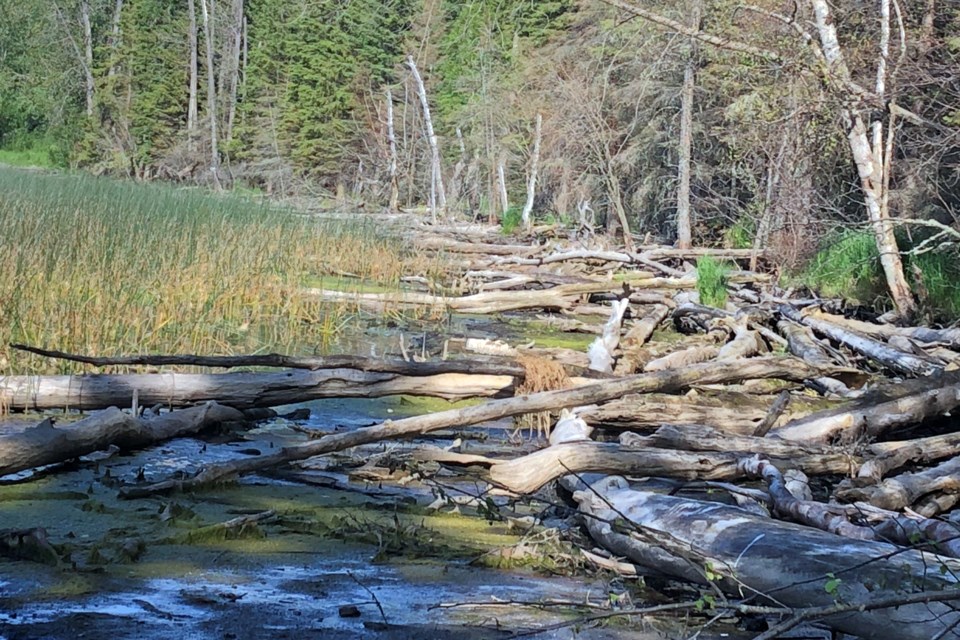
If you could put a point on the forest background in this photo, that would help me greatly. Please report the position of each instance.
(290, 98)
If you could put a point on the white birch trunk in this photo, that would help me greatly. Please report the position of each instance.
(233, 79)
(211, 92)
(532, 178)
(438, 198)
(869, 164)
(684, 224)
(392, 168)
(502, 188)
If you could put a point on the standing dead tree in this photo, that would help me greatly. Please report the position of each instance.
(438, 198)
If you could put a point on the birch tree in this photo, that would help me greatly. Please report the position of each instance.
(207, 14)
(192, 100)
(871, 147)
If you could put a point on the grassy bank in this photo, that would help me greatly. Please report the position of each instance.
(102, 267)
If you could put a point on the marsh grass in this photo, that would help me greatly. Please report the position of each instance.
(97, 266)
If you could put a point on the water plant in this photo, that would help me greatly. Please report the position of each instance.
(93, 265)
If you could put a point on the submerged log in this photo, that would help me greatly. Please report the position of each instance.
(242, 390)
(46, 443)
(798, 566)
(548, 400)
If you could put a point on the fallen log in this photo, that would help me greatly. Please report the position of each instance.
(639, 332)
(870, 418)
(906, 489)
(923, 334)
(46, 443)
(797, 566)
(800, 343)
(496, 366)
(887, 356)
(548, 400)
(242, 390)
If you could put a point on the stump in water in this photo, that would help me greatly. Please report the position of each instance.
(540, 374)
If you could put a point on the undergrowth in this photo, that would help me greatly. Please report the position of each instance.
(98, 266)
(712, 281)
(848, 266)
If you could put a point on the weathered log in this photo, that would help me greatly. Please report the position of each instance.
(547, 400)
(47, 444)
(923, 334)
(639, 332)
(794, 564)
(887, 356)
(904, 490)
(870, 419)
(801, 344)
(488, 249)
(528, 473)
(241, 390)
(683, 358)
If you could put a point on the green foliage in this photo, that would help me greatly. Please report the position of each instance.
(939, 275)
(740, 235)
(511, 219)
(482, 39)
(847, 266)
(712, 281)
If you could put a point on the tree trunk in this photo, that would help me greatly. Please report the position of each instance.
(502, 189)
(240, 390)
(208, 18)
(87, 56)
(437, 194)
(115, 37)
(392, 168)
(532, 179)
(684, 226)
(233, 79)
(870, 166)
(192, 100)
(746, 553)
(47, 444)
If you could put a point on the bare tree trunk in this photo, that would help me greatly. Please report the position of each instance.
(115, 37)
(233, 79)
(211, 92)
(392, 169)
(192, 102)
(532, 179)
(87, 55)
(438, 197)
(684, 230)
(869, 165)
(502, 188)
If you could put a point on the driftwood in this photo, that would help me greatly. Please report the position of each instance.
(870, 419)
(497, 366)
(46, 443)
(906, 489)
(547, 400)
(800, 343)
(638, 334)
(241, 390)
(923, 334)
(887, 356)
(747, 552)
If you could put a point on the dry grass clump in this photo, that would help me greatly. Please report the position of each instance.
(103, 267)
(540, 374)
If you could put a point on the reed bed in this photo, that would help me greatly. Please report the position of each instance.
(97, 266)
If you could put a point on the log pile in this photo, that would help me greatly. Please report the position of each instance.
(809, 459)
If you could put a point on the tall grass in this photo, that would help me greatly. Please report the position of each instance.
(849, 267)
(98, 266)
(712, 281)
